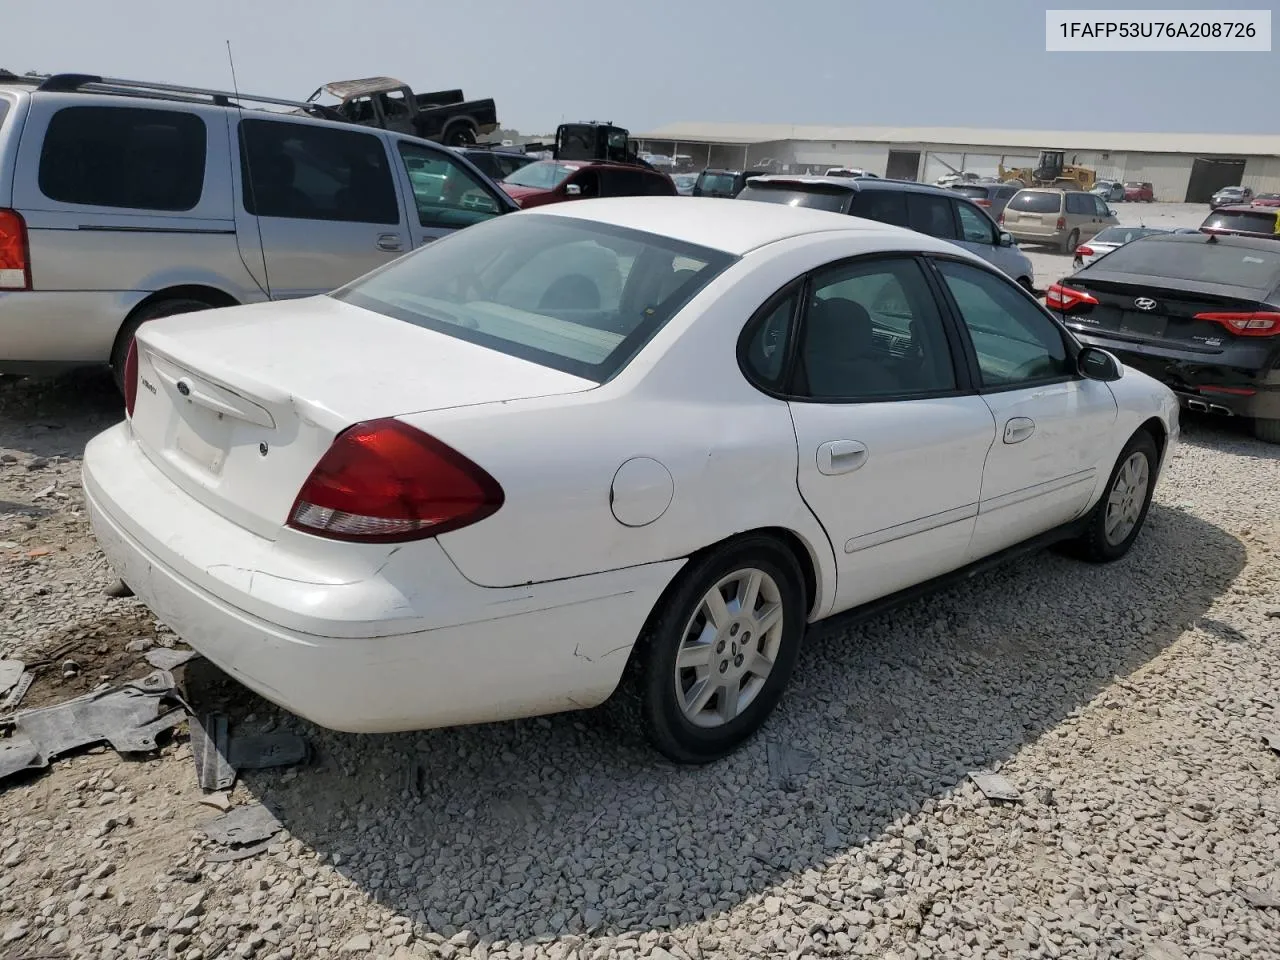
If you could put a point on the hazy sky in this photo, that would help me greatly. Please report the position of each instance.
(903, 62)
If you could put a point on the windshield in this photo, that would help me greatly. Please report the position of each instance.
(717, 183)
(574, 295)
(545, 175)
(1125, 234)
(1249, 221)
(1034, 201)
(1201, 262)
(817, 196)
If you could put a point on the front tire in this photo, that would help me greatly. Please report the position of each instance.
(1120, 514)
(717, 653)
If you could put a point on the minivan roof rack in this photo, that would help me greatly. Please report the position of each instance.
(91, 83)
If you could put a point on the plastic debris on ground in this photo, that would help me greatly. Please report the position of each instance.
(244, 831)
(995, 787)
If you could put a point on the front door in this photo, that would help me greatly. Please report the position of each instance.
(1052, 426)
(446, 196)
(325, 202)
(891, 444)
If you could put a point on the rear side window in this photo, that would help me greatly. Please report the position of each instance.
(932, 215)
(1081, 203)
(303, 172)
(887, 206)
(124, 157)
(1034, 201)
(1197, 260)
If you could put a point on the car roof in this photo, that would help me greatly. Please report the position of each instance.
(854, 184)
(1243, 208)
(733, 226)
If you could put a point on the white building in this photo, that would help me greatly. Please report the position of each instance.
(1180, 166)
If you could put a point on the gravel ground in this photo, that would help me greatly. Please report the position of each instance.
(1125, 704)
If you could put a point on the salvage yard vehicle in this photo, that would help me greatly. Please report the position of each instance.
(991, 197)
(494, 479)
(1060, 218)
(938, 211)
(123, 201)
(1229, 196)
(1052, 170)
(1244, 220)
(445, 116)
(1199, 313)
(555, 181)
(1266, 200)
(1139, 191)
(1112, 191)
(1104, 241)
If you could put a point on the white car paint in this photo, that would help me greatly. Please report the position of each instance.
(609, 488)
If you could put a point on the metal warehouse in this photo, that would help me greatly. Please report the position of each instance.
(1180, 166)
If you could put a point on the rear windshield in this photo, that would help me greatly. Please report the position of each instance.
(1261, 221)
(717, 182)
(574, 295)
(1203, 262)
(544, 175)
(819, 196)
(973, 193)
(1031, 201)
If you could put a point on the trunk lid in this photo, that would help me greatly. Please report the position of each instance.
(237, 406)
(1171, 320)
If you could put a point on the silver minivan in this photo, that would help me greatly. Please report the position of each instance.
(121, 202)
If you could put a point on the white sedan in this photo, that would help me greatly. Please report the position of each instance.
(1108, 239)
(630, 445)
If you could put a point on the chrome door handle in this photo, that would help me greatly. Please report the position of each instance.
(841, 456)
(390, 241)
(1017, 429)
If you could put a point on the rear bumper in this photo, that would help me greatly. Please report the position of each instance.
(1217, 383)
(442, 652)
(1030, 234)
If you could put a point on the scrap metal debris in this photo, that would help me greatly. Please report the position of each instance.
(128, 717)
(786, 763)
(218, 800)
(162, 658)
(262, 751)
(252, 826)
(209, 750)
(995, 787)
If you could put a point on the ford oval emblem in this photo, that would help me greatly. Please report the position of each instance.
(184, 388)
(1145, 303)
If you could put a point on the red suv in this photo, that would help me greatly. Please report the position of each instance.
(1135, 190)
(554, 181)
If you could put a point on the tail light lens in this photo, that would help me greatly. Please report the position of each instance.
(130, 378)
(983, 203)
(1062, 223)
(15, 253)
(1246, 324)
(1085, 251)
(1059, 297)
(1000, 219)
(383, 481)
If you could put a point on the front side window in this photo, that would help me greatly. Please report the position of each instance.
(976, 227)
(445, 193)
(872, 330)
(1101, 206)
(124, 157)
(1014, 341)
(931, 214)
(574, 295)
(303, 172)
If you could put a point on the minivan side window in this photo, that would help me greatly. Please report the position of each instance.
(130, 157)
(1101, 207)
(976, 227)
(887, 206)
(302, 172)
(445, 193)
(931, 214)
(1081, 203)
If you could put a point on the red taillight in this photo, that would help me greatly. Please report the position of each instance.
(1085, 251)
(1246, 324)
(1059, 297)
(1062, 223)
(983, 203)
(130, 378)
(384, 481)
(15, 253)
(1000, 219)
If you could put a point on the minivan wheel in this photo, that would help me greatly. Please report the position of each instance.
(1268, 431)
(164, 308)
(1073, 240)
(717, 654)
(1119, 515)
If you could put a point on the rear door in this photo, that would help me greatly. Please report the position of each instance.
(1052, 427)
(325, 202)
(932, 214)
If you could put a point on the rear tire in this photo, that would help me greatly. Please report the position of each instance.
(460, 135)
(164, 308)
(1268, 431)
(1071, 242)
(687, 712)
(1120, 514)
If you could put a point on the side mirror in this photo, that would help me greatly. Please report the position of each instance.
(1111, 212)
(1006, 239)
(573, 190)
(1097, 364)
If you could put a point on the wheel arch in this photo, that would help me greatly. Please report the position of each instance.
(188, 291)
(1159, 433)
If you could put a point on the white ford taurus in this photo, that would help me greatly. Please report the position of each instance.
(630, 445)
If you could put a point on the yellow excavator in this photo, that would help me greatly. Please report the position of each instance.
(1051, 171)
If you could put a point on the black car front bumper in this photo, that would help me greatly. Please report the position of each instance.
(1240, 381)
